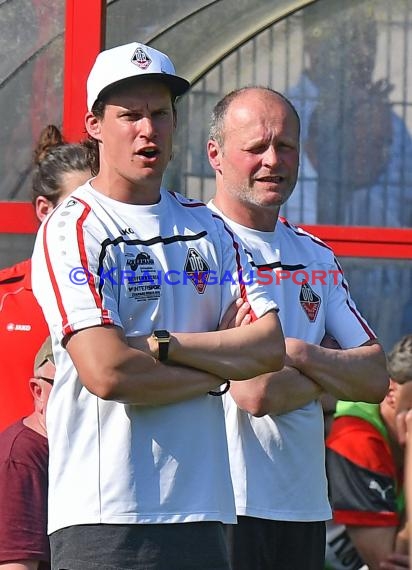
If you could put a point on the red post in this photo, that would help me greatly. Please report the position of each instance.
(84, 39)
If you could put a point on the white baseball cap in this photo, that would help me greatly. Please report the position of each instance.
(131, 60)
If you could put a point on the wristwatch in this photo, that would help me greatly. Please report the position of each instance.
(163, 338)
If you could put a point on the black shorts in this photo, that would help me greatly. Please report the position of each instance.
(180, 546)
(261, 544)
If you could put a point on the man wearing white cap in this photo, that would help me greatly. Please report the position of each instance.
(137, 436)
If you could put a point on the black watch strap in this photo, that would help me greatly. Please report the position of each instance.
(221, 392)
(163, 350)
(163, 338)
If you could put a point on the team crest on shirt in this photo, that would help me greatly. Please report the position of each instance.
(197, 270)
(310, 301)
(141, 59)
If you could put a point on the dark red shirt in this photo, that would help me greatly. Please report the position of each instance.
(22, 332)
(23, 495)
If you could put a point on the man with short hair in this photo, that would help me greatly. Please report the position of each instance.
(24, 544)
(137, 434)
(274, 422)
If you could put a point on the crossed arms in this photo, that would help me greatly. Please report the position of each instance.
(126, 370)
(310, 370)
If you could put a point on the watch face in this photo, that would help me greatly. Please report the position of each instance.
(161, 333)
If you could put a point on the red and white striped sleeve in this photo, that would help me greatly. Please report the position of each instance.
(65, 271)
(343, 320)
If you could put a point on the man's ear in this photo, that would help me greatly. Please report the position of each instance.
(214, 154)
(92, 124)
(35, 388)
(42, 206)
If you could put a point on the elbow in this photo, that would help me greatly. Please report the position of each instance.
(102, 391)
(256, 408)
(371, 392)
(104, 384)
(378, 389)
(105, 392)
(254, 401)
(259, 409)
(379, 381)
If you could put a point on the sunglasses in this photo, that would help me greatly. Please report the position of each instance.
(49, 380)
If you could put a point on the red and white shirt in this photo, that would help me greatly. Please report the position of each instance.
(97, 261)
(278, 462)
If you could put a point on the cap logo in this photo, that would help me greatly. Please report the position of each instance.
(141, 59)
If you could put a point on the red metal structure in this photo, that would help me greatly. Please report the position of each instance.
(85, 31)
(84, 39)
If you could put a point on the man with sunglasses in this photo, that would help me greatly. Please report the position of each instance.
(24, 458)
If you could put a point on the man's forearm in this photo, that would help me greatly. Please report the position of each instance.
(238, 353)
(168, 385)
(357, 374)
(114, 370)
(275, 393)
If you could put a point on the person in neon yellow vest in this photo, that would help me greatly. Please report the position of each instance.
(365, 463)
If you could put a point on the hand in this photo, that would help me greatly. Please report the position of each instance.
(237, 315)
(395, 562)
(295, 348)
(145, 343)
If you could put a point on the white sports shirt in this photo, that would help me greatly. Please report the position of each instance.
(117, 463)
(278, 462)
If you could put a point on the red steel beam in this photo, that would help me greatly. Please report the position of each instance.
(85, 30)
(353, 241)
(357, 241)
(84, 39)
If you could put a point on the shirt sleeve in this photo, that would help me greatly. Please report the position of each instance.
(238, 279)
(67, 269)
(343, 320)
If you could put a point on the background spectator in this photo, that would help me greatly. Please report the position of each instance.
(365, 470)
(59, 168)
(24, 544)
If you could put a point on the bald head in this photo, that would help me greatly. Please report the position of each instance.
(236, 98)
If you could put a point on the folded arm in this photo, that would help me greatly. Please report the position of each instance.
(275, 393)
(357, 374)
(112, 370)
(236, 353)
(115, 368)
